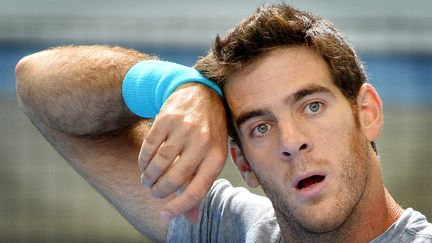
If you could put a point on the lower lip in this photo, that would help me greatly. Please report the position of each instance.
(311, 192)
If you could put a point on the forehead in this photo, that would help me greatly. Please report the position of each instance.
(279, 73)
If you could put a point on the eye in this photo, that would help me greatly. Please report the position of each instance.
(260, 130)
(313, 108)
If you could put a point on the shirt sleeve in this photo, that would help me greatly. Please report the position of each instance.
(226, 215)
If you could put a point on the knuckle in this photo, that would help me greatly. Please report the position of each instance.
(175, 181)
(192, 124)
(143, 157)
(195, 195)
(205, 140)
(147, 178)
(176, 116)
(205, 137)
(184, 169)
(166, 186)
(167, 152)
(155, 170)
(149, 141)
(188, 126)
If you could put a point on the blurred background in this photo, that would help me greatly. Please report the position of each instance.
(42, 199)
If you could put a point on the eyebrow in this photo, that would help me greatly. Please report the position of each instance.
(248, 115)
(308, 90)
(290, 99)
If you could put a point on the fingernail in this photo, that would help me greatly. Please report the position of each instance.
(165, 214)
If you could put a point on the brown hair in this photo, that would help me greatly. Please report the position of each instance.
(276, 26)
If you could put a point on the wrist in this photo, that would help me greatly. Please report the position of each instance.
(149, 83)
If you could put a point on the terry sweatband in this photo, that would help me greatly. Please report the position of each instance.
(149, 83)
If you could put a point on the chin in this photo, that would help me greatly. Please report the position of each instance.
(323, 217)
(321, 221)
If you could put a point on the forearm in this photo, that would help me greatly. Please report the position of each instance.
(74, 94)
(77, 89)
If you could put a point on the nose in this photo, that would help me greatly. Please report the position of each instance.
(292, 142)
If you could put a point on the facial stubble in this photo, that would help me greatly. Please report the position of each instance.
(333, 220)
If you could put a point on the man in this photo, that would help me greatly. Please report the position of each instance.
(303, 121)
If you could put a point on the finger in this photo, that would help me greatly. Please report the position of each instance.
(194, 192)
(153, 140)
(193, 154)
(162, 160)
(178, 174)
(192, 215)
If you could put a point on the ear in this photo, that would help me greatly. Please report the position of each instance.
(370, 112)
(242, 165)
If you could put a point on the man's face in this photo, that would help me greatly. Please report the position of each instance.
(299, 135)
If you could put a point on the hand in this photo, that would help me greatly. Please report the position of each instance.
(186, 147)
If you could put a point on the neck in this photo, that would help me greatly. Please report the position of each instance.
(375, 212)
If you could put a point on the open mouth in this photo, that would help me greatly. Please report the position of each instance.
(309, 181)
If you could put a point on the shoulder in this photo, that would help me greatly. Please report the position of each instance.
(265, 230)
(238, 201)
(412, 226)
(419, 227)
(229, 214)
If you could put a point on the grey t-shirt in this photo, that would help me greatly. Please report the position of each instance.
(231, 214)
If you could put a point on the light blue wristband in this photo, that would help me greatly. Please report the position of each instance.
(149, 83)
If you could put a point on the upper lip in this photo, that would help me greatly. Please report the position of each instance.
(303, 176)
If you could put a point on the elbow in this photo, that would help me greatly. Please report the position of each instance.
(22, 65)
(29, 71)
(27, 76)
(21, 70)
(31, 88)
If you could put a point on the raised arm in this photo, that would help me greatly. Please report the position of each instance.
(75, 89)
(73, 96)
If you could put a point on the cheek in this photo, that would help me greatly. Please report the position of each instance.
(259, 158)
(332, 135)
(341, 121)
